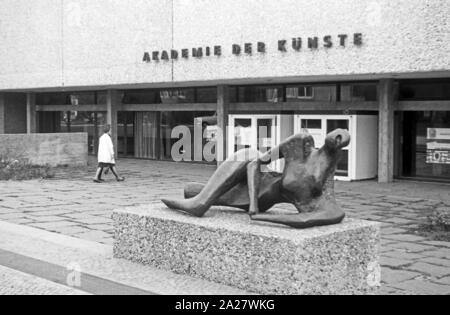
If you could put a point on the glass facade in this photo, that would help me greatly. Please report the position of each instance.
(196, 123)
(146, 135)
(359, 92)
(73, 98)
(298, 93)
(171, 96)
(429, 90)
(353, 92)
(423, 137)
(426, 145)
(257, 94)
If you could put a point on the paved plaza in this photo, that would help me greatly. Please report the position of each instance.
(72, 205)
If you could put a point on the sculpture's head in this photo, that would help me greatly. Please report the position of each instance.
(337, 140)
(307, 168)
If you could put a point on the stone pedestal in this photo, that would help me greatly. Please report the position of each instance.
(226, 247)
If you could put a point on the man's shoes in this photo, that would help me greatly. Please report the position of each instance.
(121, 179)
(98, 181)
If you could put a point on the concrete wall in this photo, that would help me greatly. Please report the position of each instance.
(53, 43)
(52, 149)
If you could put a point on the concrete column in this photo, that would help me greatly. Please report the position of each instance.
(31, 113)
(223, 104)
(2, 113)
(112, 104)
(388, 96)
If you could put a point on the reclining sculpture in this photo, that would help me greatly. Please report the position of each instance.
(307, 182)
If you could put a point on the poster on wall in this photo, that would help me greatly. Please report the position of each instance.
(438, 134)
(438, 146)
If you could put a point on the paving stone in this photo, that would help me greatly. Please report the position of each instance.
(38, 212)
(423, 287)
(437, 261)
(439, 253)
(96, 236)
(403, 255)
(387, 290)
(101, 227)
(406, 238)
(95, 220)
(437, 244)
(444, 281)
(392, 276)
(393, 262)
(47, 219)
(411, 247)
(12, 216)
(51, 226)
(71, 230)
(433, 270)
(22, 221)
(393, 230)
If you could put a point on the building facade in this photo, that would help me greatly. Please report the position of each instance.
(379, 68)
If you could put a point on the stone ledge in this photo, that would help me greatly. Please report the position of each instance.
(228, 248)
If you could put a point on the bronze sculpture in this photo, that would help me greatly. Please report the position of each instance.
(307, 182)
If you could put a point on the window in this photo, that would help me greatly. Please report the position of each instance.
(170, 120)
(364, 92)
(301, 92)
(426, 144)
(171, 96)
(141, 97)
(311, 124)
(206, 95)
(256, 94)
(425, 90)
(74, 98)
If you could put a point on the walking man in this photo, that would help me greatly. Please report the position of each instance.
(106, 156)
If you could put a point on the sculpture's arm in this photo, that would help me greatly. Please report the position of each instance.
(254, 176)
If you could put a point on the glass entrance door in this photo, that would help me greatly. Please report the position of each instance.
(319, 127)
(257, 132)
(343, 165)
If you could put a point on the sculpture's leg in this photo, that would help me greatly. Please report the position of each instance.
(228, 175)
(304, 220)
(238, 196)
(193, 189)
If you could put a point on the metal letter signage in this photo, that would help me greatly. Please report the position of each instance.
(311, 43)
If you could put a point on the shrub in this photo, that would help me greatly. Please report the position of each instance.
(438, 225)
(439, 220)
(20, 169)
